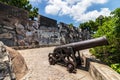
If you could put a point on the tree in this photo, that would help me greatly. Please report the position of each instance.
(116, 14)
(111, 29)
(91, 26)
(33, 13)
(25, 4)
(70, 25)
(84, 25)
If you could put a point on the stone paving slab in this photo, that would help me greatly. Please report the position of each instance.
(39, 68)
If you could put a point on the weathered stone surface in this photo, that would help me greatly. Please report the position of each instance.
(98, 70)
(48, 36)
(45, 21)
(67, 34)
(102, 72)
(6, 35)
(11, 21)
(19, 65)
(39, 68)
(11, 11)
(25, 32)
(86, 34)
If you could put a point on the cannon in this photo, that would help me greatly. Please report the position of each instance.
(68, 55)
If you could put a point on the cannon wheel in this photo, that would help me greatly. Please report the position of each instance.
(71, 67)
(52, 61)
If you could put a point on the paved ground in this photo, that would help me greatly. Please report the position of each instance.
(39, 68)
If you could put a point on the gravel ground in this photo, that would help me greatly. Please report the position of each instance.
(39, 68)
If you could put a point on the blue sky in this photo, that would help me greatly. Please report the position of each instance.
(75, 11)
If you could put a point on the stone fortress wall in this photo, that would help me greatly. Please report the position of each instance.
(10, 18)
(48, 31)
(17, 30)
(15, 26)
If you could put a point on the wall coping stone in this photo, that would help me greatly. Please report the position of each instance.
(98, 70)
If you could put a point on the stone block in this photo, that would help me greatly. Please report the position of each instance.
(19, 64)
(102, 72)
(97, 70)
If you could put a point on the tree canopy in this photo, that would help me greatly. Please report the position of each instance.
(70, 25)
(91, 26)
(110, 28)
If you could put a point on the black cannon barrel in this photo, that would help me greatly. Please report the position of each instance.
(85, 44)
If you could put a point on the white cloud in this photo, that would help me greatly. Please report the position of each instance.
(100, 1)
(71, 2)
(77, 9)
(92, 15)
(52, 9)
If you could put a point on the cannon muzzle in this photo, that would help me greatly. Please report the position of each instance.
(85, 44)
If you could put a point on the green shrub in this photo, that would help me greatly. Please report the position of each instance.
(111, 29)
(116, 67)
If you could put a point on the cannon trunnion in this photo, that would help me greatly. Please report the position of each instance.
(68, 55)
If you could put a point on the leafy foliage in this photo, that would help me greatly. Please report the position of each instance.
(91, 26)
(116, 67)
(106, 53)
(33, 13)
(111, 29)
(70, 25)
(25, 4)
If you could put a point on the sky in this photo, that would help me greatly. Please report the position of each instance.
(75, 11)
